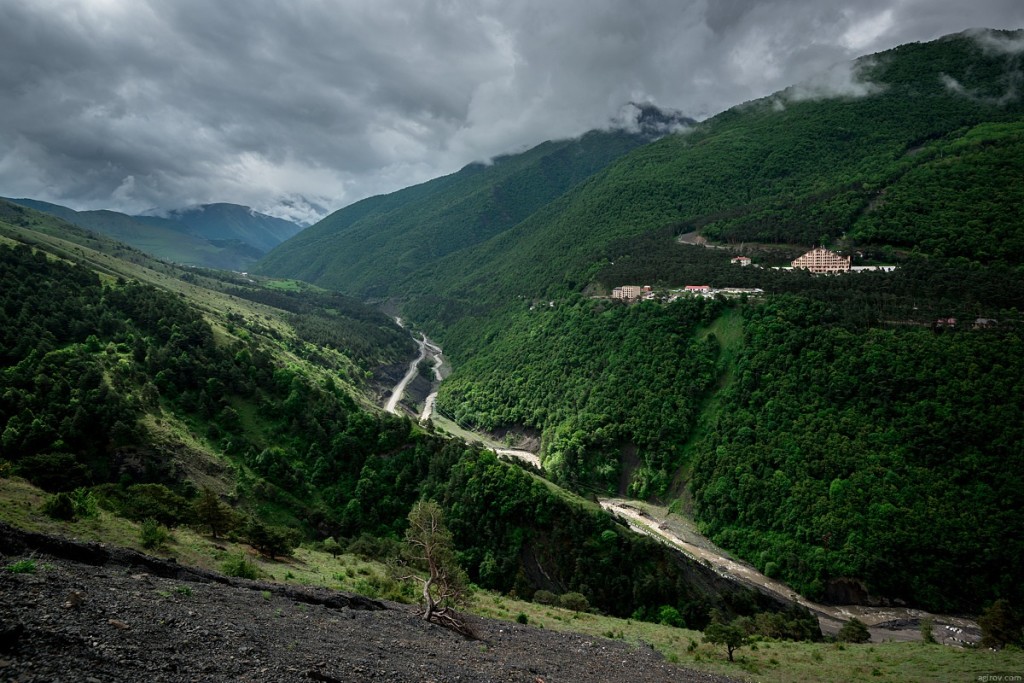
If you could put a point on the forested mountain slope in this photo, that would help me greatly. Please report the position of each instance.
(233, 222)
(362, 249)
(224, 236)
(890, 455)
(134, 383)
(887, 442)
(922, 156)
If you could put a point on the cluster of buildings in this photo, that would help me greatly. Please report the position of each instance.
(709, 292)
(821, 261)
(636, 292)
(818, 260)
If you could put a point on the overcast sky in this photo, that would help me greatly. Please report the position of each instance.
(138, 104)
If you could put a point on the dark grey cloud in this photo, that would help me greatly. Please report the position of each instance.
(134, 104)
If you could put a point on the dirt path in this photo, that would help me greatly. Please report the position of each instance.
(885, 623)
(526, 456)
(396, 394)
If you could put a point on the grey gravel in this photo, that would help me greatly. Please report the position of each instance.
(109, 619)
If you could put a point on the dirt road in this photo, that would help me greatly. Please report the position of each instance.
(426, 348)
(885, 623)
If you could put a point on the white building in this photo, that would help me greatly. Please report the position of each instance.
(628, 292)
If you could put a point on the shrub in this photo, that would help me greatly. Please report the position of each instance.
(372, 548)
(60, 506)
(522, 619)
(271, 540)
(1001, 625)
(155, 501)
(387, 588)
(53, 471)
(153, 534)
(240, 566)
(71, 506)
(212, 512)
(84, 503)
(332, 546)
(854, 631)
(543, 597)
(670, 616)
(793, 624)
(139, 502)
(926, 631)
(26, 566)
(577, 602)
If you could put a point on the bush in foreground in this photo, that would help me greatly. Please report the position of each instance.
(239, 566)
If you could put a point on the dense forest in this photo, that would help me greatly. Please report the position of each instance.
(355, 249)
(597, 378)
(836, 431)
(96, 370)
(890, 455)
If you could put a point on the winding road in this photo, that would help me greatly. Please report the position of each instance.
(426, 348)
(429, 349)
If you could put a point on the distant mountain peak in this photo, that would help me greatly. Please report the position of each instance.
(298, 209)
(650, 120)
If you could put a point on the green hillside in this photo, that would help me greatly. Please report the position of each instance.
(218, 222)
(891, 455)
(852, 434)
(189, 397)
(364, 248)
(225, 236)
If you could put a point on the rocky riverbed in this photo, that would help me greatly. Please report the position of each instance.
(85, 612)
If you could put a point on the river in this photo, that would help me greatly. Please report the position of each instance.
(885, 623)
(426, 347)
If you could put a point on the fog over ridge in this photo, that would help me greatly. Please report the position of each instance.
(299, 108)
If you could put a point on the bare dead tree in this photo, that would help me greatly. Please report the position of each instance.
(445, 587)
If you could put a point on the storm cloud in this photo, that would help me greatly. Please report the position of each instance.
(300, 106)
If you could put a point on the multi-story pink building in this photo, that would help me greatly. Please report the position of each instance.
(821, 260)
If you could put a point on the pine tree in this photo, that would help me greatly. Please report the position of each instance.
(212, 512)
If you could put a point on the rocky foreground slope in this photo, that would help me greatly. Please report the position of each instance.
(89, 612)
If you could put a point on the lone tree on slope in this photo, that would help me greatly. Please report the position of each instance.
(733, 635)
(210, 511)
(445, 586)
